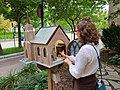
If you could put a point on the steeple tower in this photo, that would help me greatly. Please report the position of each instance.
(29, 35)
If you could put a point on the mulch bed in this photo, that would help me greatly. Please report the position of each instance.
(66, 80)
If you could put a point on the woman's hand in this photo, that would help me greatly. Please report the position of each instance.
(63, 54)
(68, 61)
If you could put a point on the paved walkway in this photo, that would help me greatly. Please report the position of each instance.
(10, 64)
(111, 77)
(10, 43)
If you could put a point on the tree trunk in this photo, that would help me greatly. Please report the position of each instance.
(19, 32)
(1, 52)
(72, 26)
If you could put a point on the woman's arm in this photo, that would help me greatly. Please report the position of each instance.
(77, 70)
(71, 58)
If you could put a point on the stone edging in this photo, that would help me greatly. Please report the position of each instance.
(11, 55)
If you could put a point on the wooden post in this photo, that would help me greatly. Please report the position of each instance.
(49, 79)
(50, 83)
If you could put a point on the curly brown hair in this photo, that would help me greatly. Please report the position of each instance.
(88, 31)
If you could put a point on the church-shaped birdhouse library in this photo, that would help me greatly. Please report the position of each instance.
(44, 47)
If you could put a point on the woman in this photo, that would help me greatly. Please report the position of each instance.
(85, 64)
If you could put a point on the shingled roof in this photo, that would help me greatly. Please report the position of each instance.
(45, 34)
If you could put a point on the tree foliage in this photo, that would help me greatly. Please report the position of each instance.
(66, 12)
(4, 24)
(16, 9)
(72, 10)
(101, 20)
(111, 37)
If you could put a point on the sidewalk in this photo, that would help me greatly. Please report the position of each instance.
(10, 43)
(111, 77)
(11, 55)
(11, 65)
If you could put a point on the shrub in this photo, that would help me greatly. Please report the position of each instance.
(30, 78)
(8, 82)
(111, 38)
(30, 82)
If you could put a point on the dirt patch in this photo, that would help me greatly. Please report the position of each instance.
(66, 80)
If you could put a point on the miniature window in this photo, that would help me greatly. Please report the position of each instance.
(53, 54)
(44, 51)
(74, 47)
(38, 51)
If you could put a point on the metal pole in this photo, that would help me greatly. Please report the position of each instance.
(42, 15)
(13, 34)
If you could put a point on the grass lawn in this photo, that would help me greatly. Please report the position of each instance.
(12, 50)
(8, 35)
